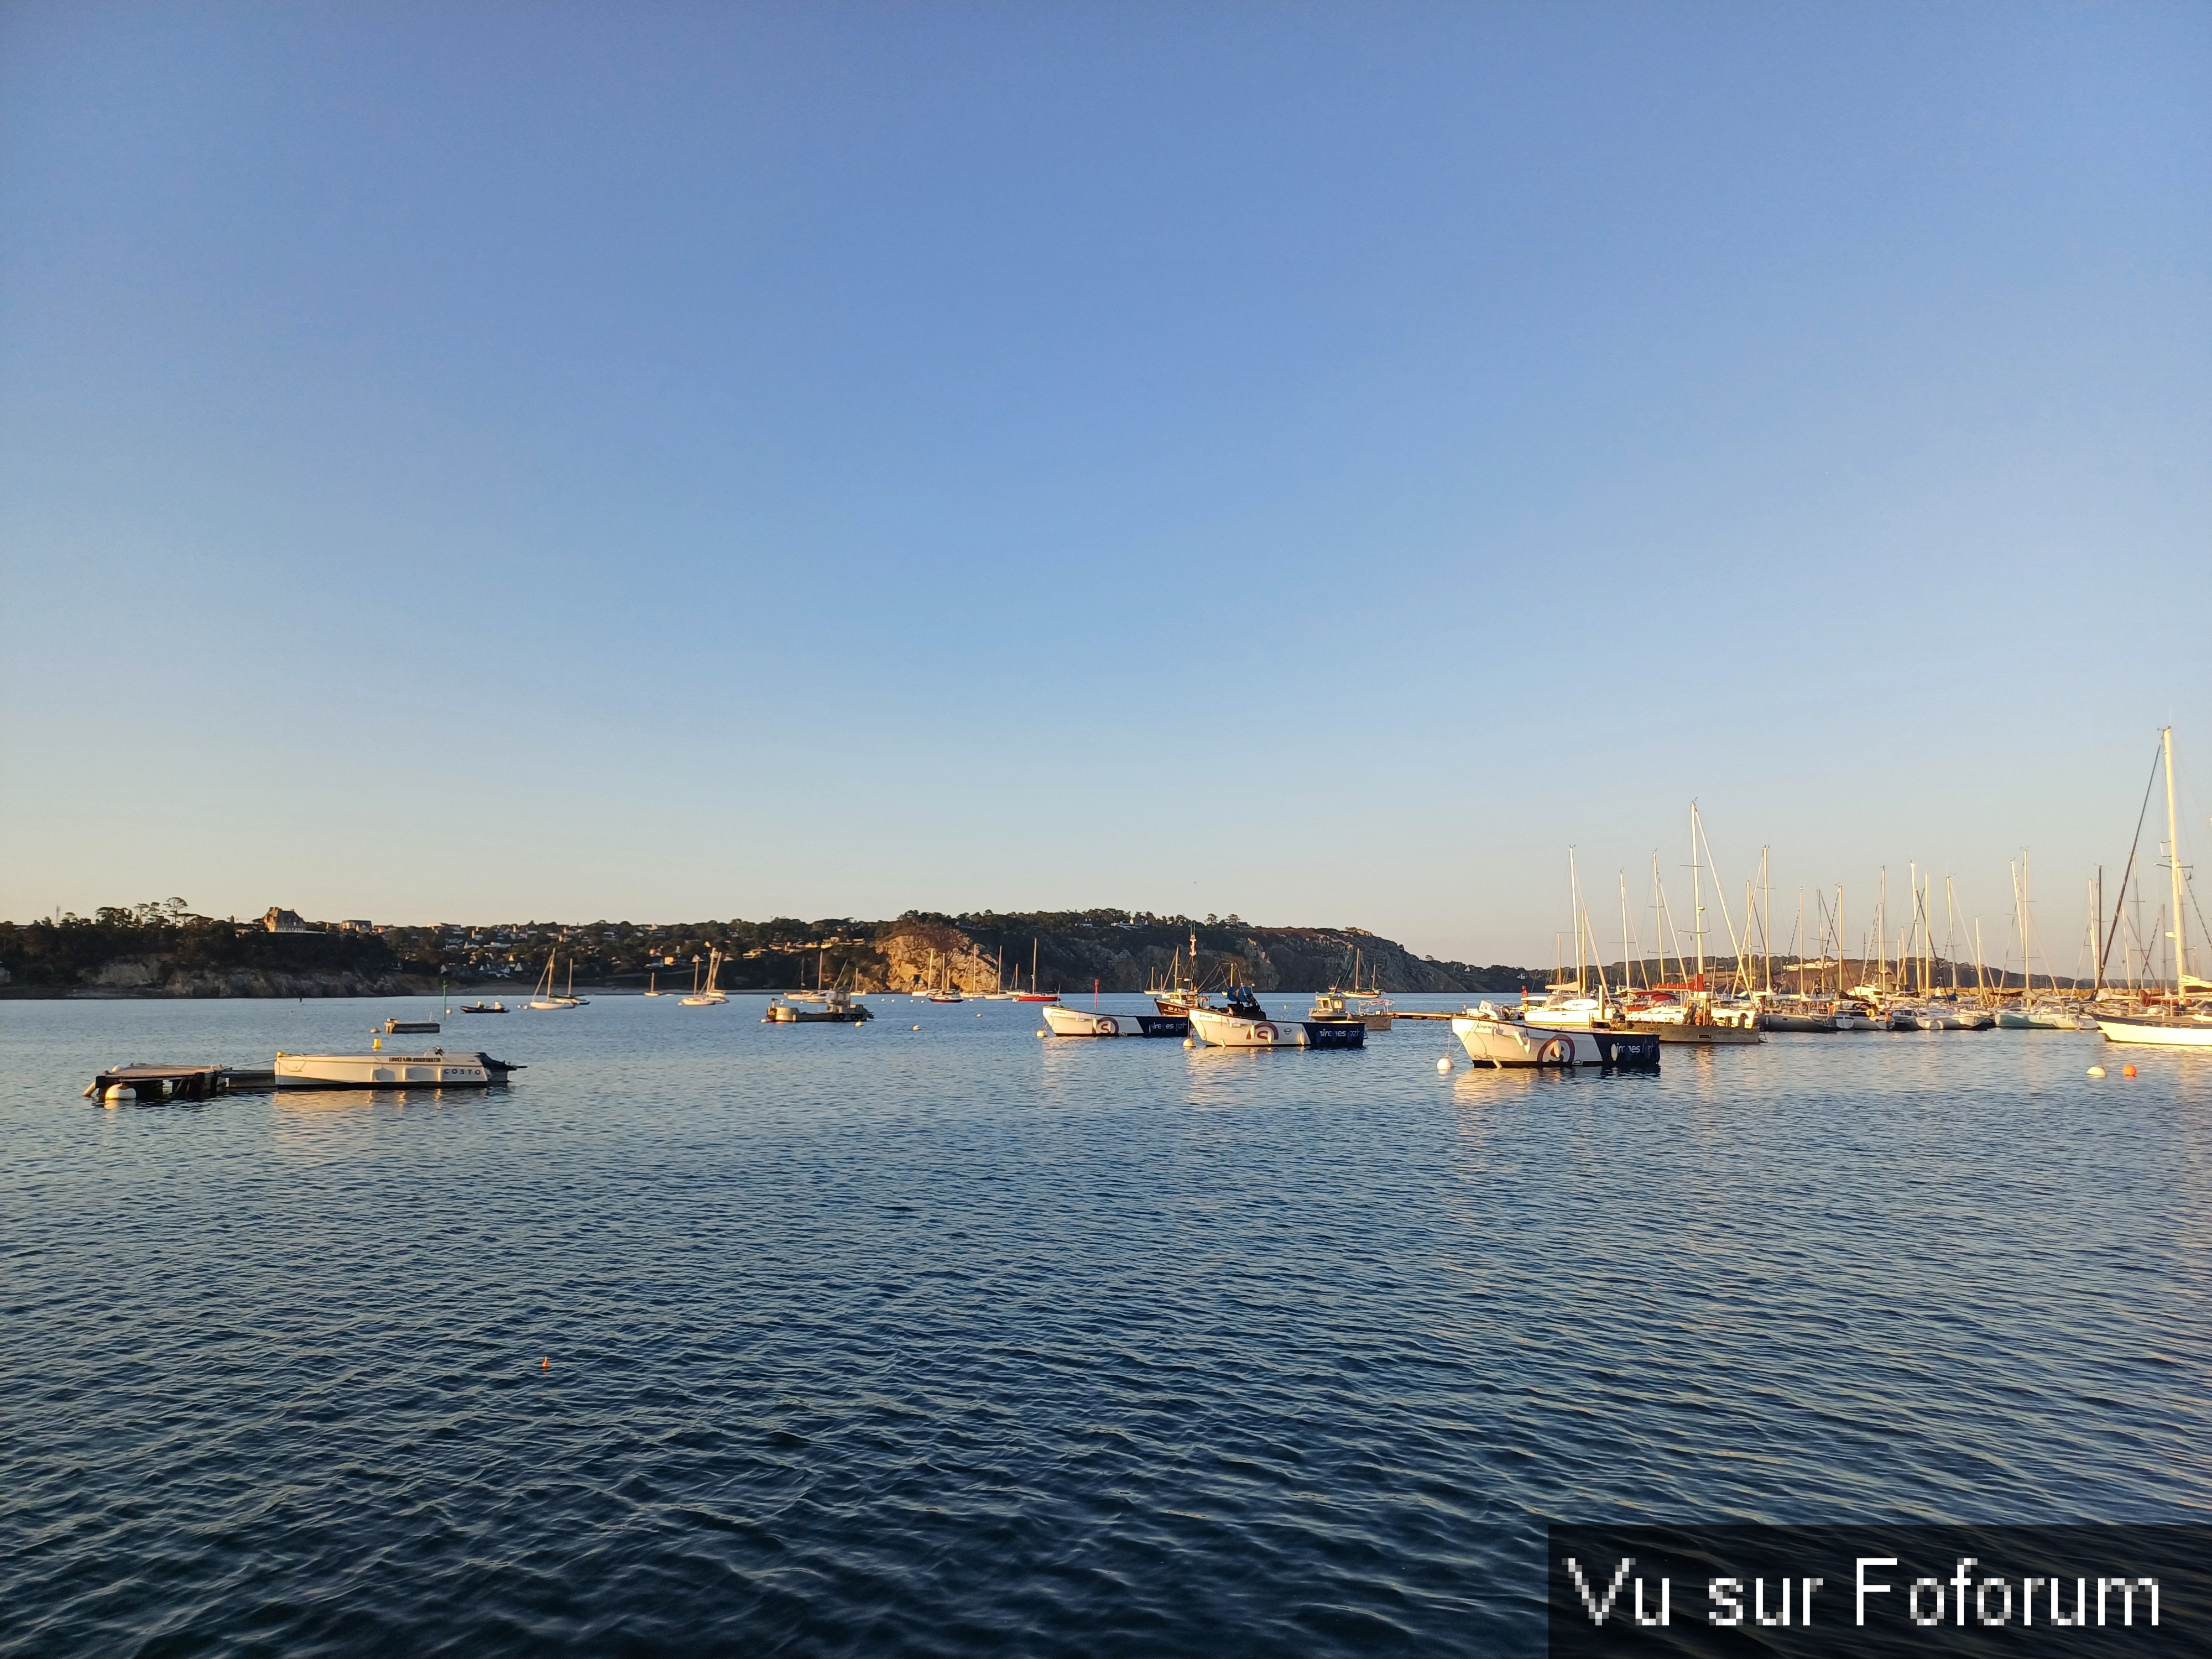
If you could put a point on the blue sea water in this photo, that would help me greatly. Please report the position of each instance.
(952, 1341)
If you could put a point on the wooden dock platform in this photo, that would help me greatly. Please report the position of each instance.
(178, 1082)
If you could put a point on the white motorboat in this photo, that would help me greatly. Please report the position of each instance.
(1370, 1008)
(1495, 1037)
(435, 1070)
(836, 1006)
(1063, 1021)
(1569, 1008)
(2181, 1031)
(2045, 1015)
(1696, 1018)
(1240, 1023)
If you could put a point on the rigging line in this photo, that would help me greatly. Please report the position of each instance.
(2157, 760)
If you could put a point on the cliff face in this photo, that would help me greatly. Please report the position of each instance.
(926, 955)
(1131, 955)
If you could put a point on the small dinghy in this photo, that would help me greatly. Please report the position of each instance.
(484, 1008)
(435, 1070)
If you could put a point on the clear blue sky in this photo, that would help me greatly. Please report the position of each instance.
(1316, 462)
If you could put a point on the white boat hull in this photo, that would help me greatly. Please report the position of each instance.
(2156, 1033)
(1220, 1030)
(1511, 1042)
(1084, 1023)
(435, 1070)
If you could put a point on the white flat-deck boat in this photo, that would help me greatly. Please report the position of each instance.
(1491, 1036)
(1240, 1023)
(435, 1070)
(1091, 1023)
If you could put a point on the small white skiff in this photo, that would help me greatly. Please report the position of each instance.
(435, 1070)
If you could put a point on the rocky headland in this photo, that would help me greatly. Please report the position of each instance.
(150, 951)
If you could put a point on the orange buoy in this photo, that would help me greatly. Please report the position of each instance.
(2127, 1071)
(546, 1363)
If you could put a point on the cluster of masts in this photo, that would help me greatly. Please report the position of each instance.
(1895, 957)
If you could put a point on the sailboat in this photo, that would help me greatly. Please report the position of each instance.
(1033, 995)
(945, 990)
(1691, 1014)
(714, 995)
(2186, 1021)
(652, 986)
(1365, 1004)
(545, 997)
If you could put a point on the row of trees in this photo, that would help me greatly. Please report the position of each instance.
(1121, 949)
(69, 949)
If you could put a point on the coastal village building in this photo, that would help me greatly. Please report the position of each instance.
(285, 921)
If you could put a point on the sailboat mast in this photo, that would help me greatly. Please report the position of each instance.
(2174, 864)
(2097, 926)
(1840, 940)
(1575, 915)
(1697, 899)
(1626, 980)
(1766, 923)
(1882, 934)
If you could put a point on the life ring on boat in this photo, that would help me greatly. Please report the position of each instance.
(1264, 1031)
(1107, 1026)
(1557, 1051)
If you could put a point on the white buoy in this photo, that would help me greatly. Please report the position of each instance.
(1042, 1032)
(1188, 1043)
(2095, 1071)
(119, 1094)
(917, 1028)
(1444, 1065)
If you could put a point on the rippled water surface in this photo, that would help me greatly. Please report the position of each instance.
(954, 1341)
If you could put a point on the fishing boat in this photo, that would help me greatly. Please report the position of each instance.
(545, 998)
(484, 1008)
(714, 996)
(836, 1006)
(1497, 1037)
(435, 1070)
(1240, 1023)
(1063, 1021)
(1182, 993)
(1366, 1003)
